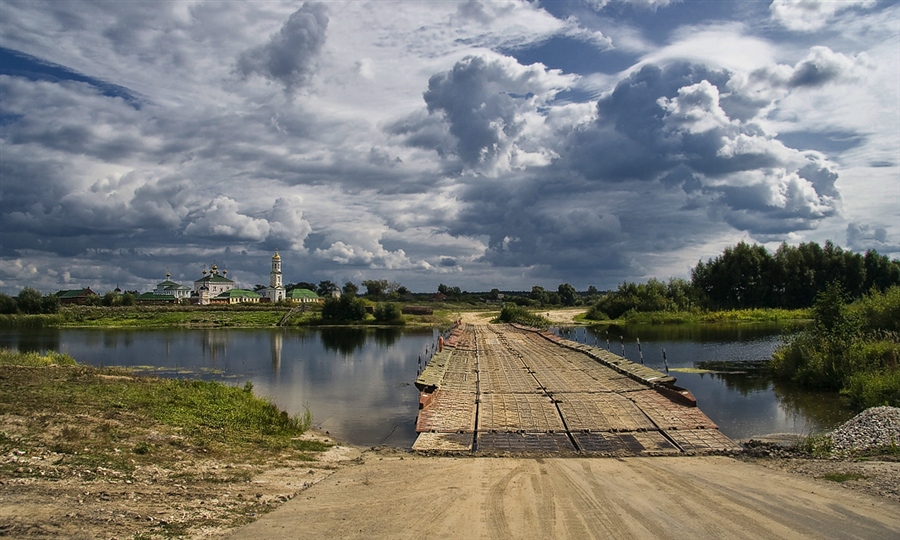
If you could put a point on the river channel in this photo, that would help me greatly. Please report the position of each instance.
(357, 383)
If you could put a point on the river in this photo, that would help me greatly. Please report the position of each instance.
(358, 383)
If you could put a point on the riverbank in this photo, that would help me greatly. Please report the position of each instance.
(240, 316)
(76, 464)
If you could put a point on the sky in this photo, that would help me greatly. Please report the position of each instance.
(476, 144)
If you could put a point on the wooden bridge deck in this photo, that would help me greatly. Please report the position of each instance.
(513, 389)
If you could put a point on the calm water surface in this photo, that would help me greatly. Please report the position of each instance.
(358, 382)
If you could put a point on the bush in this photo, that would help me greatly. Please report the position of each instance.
(873, 389)
(849, 348)
(511, 313)
(388, 313)
(344, 309)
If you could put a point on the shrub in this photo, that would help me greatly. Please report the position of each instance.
(873, 389)
(344, 309)
(511, 313)
(388, 313)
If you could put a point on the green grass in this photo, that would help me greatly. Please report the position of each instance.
(841, 477)
(33, 359)
(100, 420)
(168, 316)
(715, 317)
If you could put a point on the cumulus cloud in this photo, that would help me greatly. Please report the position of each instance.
(811, 15)
(672, 125)
(861, 237)
(287, 225)
(488, 103)
(290, 55)
(820, 67)
(221, 218)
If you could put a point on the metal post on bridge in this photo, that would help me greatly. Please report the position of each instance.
(640, 353)
(622, 338)
(665, 362)
(607, 339)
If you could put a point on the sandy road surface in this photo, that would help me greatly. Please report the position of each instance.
(556, 316)
(398, 497)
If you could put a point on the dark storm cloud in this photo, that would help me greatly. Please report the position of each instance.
(589, 211)
(290, 55)
(672, 124)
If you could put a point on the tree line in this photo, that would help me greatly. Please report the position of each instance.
(748, 276)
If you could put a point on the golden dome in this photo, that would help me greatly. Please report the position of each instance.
(276, 257)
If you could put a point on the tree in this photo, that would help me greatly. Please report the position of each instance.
(350, 289)
(402, 291)
(376, 288)
(388, 313)
(347, 308)
(50, 304)
(7, 304)
(110, 299)
(29, 301)
(538, 294)
(568, 296)
(326, 287)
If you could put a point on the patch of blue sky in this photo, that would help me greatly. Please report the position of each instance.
(827, 142)
(18, 64)
(573, 55)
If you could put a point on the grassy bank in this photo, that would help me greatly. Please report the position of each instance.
(731, 316)
(854, 348)
(201, 317)
(113, 419)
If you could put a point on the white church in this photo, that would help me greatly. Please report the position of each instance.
(216, 288)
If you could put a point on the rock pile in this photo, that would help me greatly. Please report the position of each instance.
(878, 426)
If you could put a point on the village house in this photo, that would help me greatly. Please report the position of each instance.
(76, 296)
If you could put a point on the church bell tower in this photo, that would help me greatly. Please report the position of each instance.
(275, 291)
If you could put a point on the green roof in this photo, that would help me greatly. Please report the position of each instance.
(238, 293)
(75, 293)
(296, 294)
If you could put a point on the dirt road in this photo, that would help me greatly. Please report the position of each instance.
(398, 496)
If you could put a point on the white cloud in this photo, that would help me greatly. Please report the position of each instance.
(222, 219)
(811, 15)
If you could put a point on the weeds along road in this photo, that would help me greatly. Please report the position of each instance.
(398, 496)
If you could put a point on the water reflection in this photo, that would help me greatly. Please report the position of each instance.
(343, 340)
(358, 382)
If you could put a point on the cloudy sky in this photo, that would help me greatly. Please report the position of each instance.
(472, 143)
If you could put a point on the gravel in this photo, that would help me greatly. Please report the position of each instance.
(872, 428)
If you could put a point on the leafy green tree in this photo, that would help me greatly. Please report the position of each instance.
(388, 312)
(350, 289)
(29, 301)
(376, 288)
(50, 304)
(326, 287)
(539, 295)
(568, 296)
(7, 304)
(347, 308)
